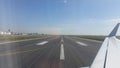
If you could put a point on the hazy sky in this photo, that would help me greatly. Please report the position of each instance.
(84, 17)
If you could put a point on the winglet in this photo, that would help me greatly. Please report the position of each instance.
(114, 31)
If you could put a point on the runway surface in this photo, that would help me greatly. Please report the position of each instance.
(51, 52)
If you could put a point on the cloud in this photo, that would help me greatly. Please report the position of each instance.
(105, 26)
(65, 1)
(114, 21)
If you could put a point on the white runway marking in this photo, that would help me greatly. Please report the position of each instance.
(8, 42)
(42, 43)
(62, 40)
(82, 44)
(62, 56)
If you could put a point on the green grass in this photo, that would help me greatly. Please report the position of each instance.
(99, 38)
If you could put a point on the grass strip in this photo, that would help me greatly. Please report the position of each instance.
(17, 37)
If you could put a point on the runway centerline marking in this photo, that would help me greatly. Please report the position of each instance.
(62, 55)
(62, 40)
(81, 43)
(42, 43)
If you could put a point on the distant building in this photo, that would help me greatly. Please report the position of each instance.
(5, 33)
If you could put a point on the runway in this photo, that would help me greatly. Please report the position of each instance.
(51, 52)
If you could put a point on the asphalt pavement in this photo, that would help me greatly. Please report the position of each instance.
(51, 52)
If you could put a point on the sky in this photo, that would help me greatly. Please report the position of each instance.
(70, 17)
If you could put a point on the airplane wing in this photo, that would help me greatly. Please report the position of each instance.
(109, 54)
